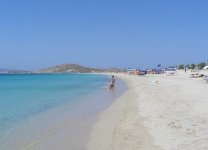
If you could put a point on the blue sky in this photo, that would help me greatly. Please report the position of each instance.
(102, 33)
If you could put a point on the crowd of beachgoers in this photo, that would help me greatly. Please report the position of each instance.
(194, 73)
(161, 109)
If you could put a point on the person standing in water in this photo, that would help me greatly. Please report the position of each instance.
(113, 80)
(112, 83)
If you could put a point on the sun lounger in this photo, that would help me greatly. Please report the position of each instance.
(170, 71)
(195, 75)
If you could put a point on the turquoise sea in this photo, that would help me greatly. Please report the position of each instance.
(25, 97)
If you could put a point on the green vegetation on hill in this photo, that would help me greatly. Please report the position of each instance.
(74, 68)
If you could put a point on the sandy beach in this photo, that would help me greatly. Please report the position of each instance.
(58, 60)
(170, 114)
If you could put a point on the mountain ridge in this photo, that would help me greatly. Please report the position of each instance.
(63, 68)
(74, 68)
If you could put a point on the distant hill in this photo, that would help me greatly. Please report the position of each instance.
(13, 71)
(65, 68)
(74, 68)
(112, 69)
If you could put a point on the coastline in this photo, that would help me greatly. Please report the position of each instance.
(157, 112)
(119, 127)
(154, 112)
(63, 130)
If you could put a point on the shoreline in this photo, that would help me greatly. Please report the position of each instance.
(69, 131)
(119, 127)
(153, 112)
(157, 112)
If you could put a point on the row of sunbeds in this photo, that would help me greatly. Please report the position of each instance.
(197, 75)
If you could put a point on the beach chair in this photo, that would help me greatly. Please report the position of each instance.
(170, 71)
(195, 75)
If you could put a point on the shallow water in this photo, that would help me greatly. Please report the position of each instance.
(35, 107)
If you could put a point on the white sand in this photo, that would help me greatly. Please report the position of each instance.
(171, 115)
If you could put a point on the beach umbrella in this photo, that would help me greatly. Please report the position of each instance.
(159, 65)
